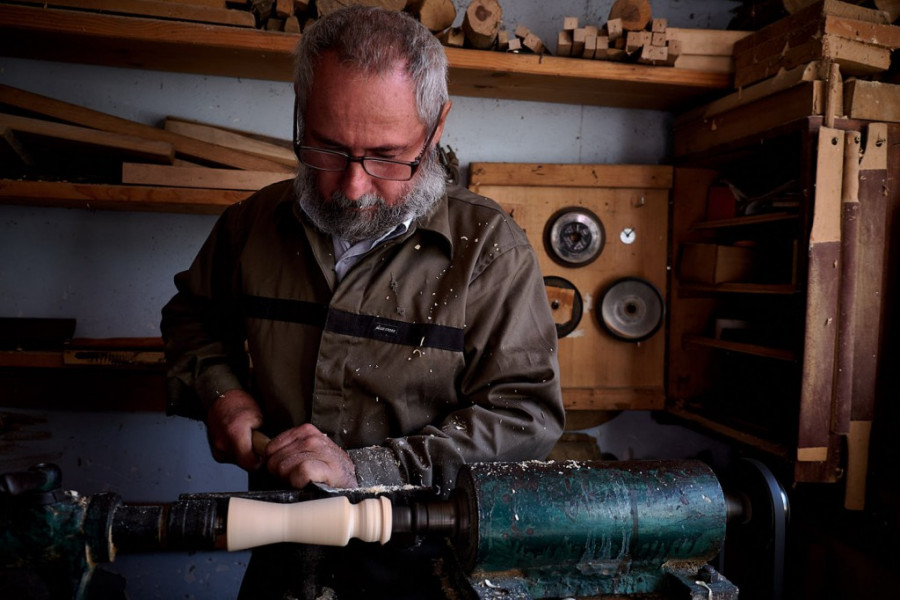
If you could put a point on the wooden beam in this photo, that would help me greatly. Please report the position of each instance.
(872, 100)
(231, 139)
(184, 146)
(823, 282)
(128, 145)
(198, 177)
(12, 153)
(709, 42)
(63, 194)
(571, 175)
(158, 9)
(702, 134)
(326, 7)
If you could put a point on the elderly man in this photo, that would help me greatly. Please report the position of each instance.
(397, 329)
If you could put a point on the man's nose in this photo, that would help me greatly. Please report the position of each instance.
(355, 182)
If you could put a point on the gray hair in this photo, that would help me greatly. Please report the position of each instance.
(375, 40)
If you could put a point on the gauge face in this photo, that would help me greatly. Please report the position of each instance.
(574, 236)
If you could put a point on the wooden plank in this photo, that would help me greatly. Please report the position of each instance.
(858, 439)
(855, 58)
(876, 272)
(184, 146)
(158, 9)
(872, 101)
(868, 313)
(887, 36)
(143, 43)
(784, 80)
(849, 267)
(198, 177)
(707, 64)
(703, 133)
(129, 145)
(821, 308)
(571, 175)
(740, 347)
(707, 42)
(738, 435)
(585, 399)
(12, 153)
(231, 139)
(117, 197)
(207, 3)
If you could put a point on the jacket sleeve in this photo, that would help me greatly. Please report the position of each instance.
(201, 325)
(510, 396)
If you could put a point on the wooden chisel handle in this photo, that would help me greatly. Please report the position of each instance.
(259, 441)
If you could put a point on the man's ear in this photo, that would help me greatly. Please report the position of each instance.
(441, 121)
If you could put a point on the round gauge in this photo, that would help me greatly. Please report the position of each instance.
(574, 237)
(632, 309)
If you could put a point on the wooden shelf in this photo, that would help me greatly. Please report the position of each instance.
(740, 347)
(750, 220)
(776, 449)
(780, 289)
(177, 46)
(62, 194)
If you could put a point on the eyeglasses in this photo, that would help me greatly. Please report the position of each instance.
(380, 168)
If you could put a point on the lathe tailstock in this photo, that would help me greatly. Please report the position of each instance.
(524, 531)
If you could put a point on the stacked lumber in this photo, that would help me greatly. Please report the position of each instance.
(482, 29)
(632, 34)
(44, 139)
(644, 41)
(289, 16)
(858, 39)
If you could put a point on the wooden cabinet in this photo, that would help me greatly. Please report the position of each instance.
(781, 287)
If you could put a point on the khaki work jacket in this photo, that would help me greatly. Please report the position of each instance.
(436, 349)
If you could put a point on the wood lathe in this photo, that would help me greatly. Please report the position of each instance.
(514, 530)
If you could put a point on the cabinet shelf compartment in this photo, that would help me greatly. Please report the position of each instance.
(695, 341)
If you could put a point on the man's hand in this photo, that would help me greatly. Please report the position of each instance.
(304, 454)
(230, 422)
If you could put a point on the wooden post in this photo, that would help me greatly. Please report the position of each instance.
(821, 303)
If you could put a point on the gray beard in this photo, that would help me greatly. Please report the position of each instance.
(369, 217)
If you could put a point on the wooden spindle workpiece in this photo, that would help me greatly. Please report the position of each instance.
(325, 522)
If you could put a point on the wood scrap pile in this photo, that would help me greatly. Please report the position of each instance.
(831, 59)
(482, 29)
(289, 16)
(632, 34)
(756, 14)
(856, 49)
(858, 39)
(45, 139)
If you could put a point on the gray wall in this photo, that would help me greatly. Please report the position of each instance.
(112, 271)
